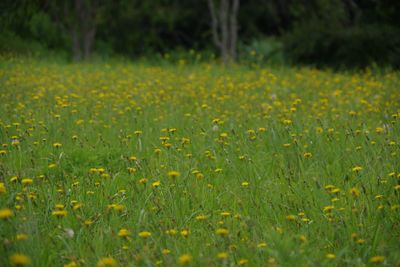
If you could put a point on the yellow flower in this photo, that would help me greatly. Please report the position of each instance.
(156, 184)
(354, 191)
(185, 233)
(27, 181)
(123, 232)
(262, 245)
(356, 169)
(18, 259)
(108, 261)
(173, 174)
(222, 255)
(57, 145)
(376, 259)
(307, 155)
(330, 256)
(185, 259)
(59, 213)
(71, 264)
(2, 188)
(243, 261)
(222, 231)
(166, 251)
(6, 213)
(245, 184)
(21, 237)
(201, 217)
(144, 234)
(291, 217)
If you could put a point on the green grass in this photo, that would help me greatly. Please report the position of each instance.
(240, 140)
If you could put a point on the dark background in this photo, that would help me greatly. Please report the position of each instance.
(332, 33)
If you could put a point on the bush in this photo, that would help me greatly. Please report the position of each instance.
(320, 45)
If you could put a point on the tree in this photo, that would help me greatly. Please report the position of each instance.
(224, 28)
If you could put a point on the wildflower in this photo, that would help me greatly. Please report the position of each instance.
(185, 233)
(222, 231)
(356, 169)
(18, 259)
(355, 192)
(185, 259)
(27, 181)
(243, 261)
(291, 217)
(330, 256)
(173, 174)
(144, 234)
(57, 145)
(6, 213)
(59, 213)
(2, 188)
(201, 217)
(143, 181)
(307, 155)
(105, 262)
(222, 255)
(123, 233)
(245, 184)
(376, 259)
(171, 232)
(21, 237)
(166, 251)
(262, 245)
(156, 184)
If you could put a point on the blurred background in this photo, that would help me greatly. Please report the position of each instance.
(321, 33)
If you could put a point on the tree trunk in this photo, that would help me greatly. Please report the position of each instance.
(224, 28)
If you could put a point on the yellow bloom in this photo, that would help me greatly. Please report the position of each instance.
(222, 231)
(330, 256)
(6, 213)
(59, 213)
(243, 261)
(185, 259)
(156, 184)
(222, 255)
(291, 217)
(27, 181)
(123, 232)
(201, 217)
(2, 188)
(108, 261)
(21, 237)
(245, 184)
(18, 259)
(356, 169)
(144, 234)
(376, 259)
(173, 174)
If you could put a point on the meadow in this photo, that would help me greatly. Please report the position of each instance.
(133, 164)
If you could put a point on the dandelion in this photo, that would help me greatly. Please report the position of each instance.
(222, 255)
(2, 188)
(245, 184)
(27, 181)
(107, 262)
(356, 169)
(330, 256)
(243, 261)
(18, 259)
(291, 217)
(59, 213)
(6, 213)
(144, 234)
(377, 259)
(123, 233)
(156, 184)
(185, 259)
(173, 174)
(222, 231)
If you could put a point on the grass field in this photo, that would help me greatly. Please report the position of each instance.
(137, 165)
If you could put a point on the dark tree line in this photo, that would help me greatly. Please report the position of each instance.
(312, 31)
